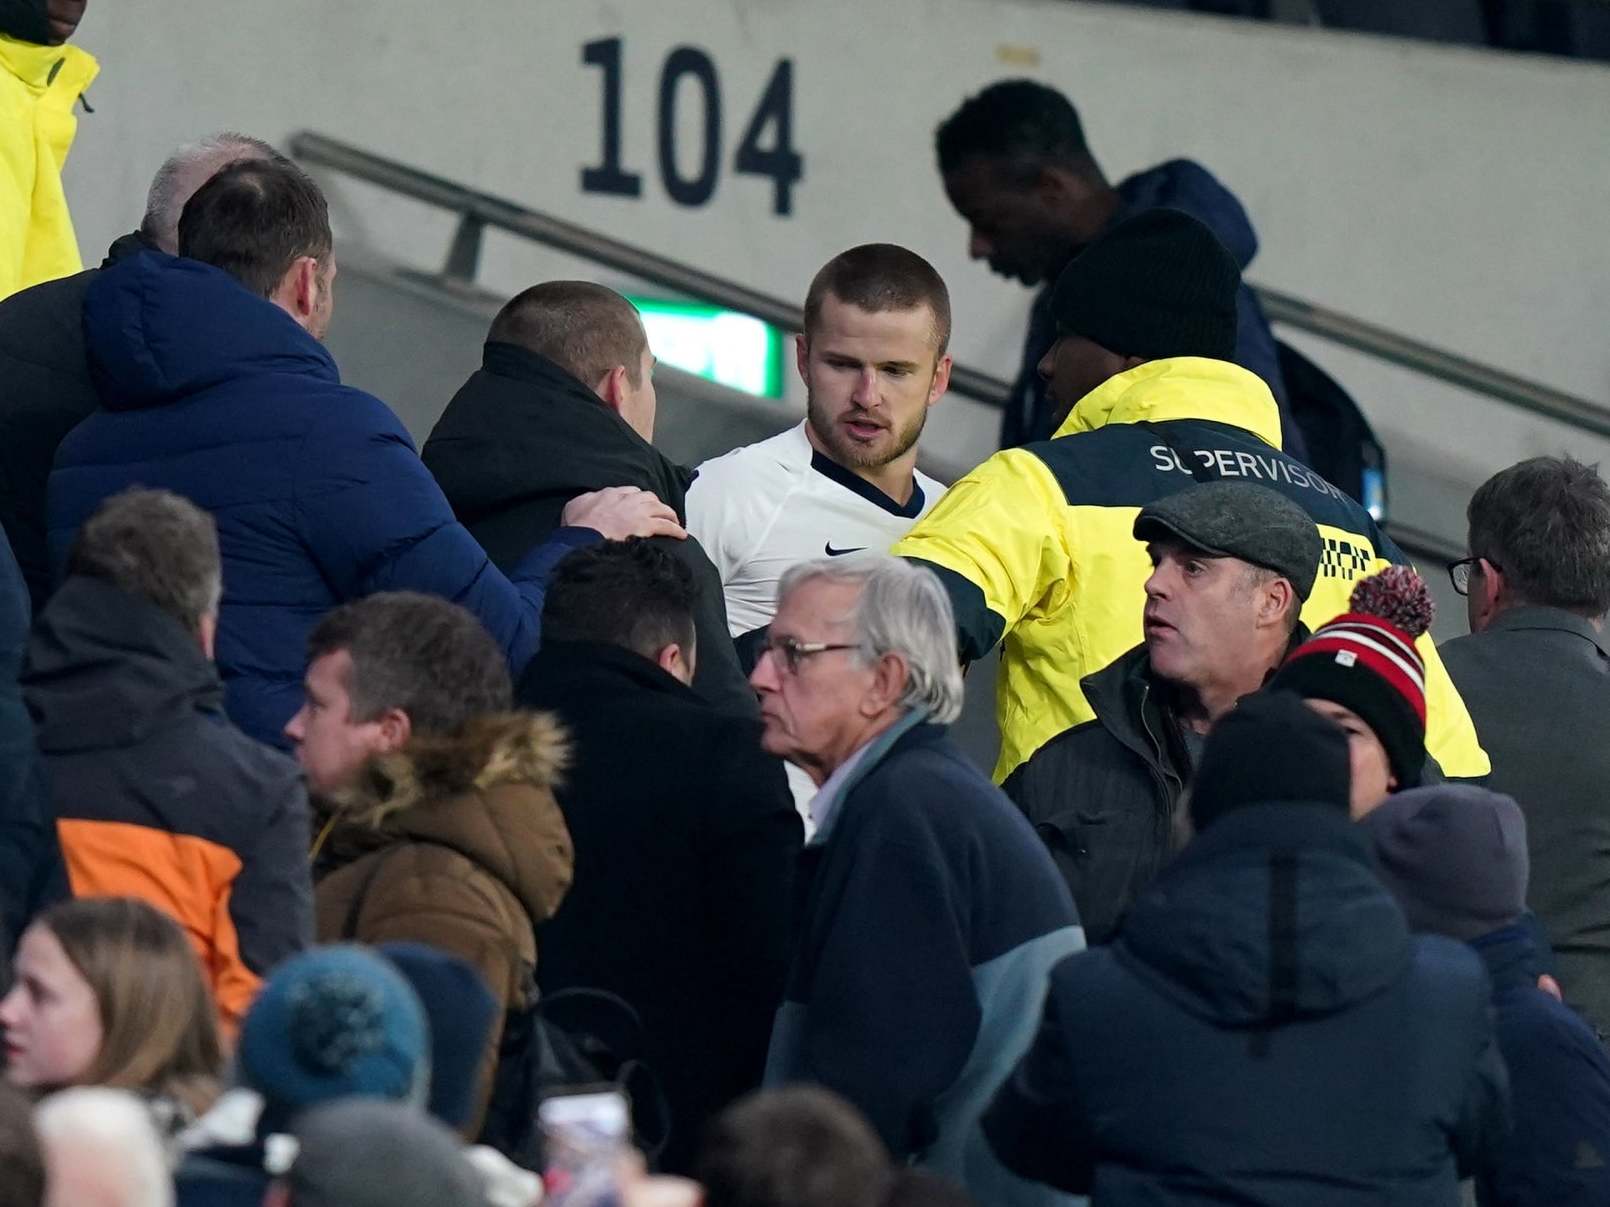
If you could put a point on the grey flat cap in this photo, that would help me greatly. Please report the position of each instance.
(1242, 520)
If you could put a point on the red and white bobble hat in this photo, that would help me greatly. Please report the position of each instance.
(1365, 661)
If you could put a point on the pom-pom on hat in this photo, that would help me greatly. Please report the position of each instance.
(333, 1022)
(1365, 661)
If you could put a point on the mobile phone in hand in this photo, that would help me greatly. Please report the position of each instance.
(586, 1136)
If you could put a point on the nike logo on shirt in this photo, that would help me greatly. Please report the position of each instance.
(832, 552)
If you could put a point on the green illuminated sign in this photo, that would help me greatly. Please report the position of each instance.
(723, 346)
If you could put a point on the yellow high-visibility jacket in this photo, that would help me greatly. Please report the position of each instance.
(1036, 550)
(38, 87)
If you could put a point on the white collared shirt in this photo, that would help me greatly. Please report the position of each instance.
(765, 507)
(826, 798)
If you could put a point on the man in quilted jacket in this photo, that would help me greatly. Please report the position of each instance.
(214, 384)
(437, 819)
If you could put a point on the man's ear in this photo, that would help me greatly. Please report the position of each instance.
(207, 635)
(941, 381)
(802, 357)
(889, 677)
(395, 730)
(1056, 187)
(1278, 598)
(298, 292)
(1495, 586)
(675, 662)
(612, 388)
(1059, 189)
(1489, 595)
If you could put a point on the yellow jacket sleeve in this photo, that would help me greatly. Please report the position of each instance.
(997, 542)
(1451, 736)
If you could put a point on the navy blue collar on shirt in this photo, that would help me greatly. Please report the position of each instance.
(832, 469)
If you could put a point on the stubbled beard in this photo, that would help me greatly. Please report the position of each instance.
(851, 455)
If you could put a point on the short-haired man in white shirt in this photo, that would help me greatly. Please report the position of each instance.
(873, 359)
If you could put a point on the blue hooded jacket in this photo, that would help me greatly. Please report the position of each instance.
(1264, 1031)
(1559, 1152)
(1179, 184)
(320, 497)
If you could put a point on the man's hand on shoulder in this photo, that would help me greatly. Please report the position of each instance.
(622, 511)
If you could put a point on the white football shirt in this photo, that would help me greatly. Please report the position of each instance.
(765, 507)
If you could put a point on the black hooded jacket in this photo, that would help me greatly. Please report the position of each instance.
(45, 391)
(522, 438)
(156, 795)
(686, 840)
(1263, 1031)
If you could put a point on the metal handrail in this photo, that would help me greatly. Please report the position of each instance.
(478, 210)
(1397, 349)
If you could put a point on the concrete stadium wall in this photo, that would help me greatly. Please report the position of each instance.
(1457, 195)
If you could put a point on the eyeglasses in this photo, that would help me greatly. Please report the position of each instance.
(1462, 569)
(794, 652)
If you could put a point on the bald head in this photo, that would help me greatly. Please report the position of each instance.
(185, 171)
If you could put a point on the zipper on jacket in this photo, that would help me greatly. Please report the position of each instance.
(1165, 818)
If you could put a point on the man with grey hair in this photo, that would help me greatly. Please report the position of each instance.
(101, 1150)
(42, 357)
(1535, 673)
(364, 1152)
(155, 794)
(930, 913)
(185, 171)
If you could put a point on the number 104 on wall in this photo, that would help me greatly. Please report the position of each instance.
(766, 148)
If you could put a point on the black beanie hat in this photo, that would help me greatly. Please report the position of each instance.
(1454, 856)
(1271, 748)
(26, 20)
(1157, 285)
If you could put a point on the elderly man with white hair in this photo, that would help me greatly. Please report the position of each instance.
(930, 912)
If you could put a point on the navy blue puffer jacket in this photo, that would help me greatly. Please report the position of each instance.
(320, 497)
(1264, 1031)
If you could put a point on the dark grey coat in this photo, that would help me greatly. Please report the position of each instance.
(1102, 796)
(1537, 683)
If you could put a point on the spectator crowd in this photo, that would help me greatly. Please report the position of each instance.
(366, 814)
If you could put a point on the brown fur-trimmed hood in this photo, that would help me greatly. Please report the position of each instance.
(485, 792)
(492, 750)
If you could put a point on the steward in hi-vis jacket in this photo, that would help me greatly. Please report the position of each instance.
(40, 82)
(1035, 545)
